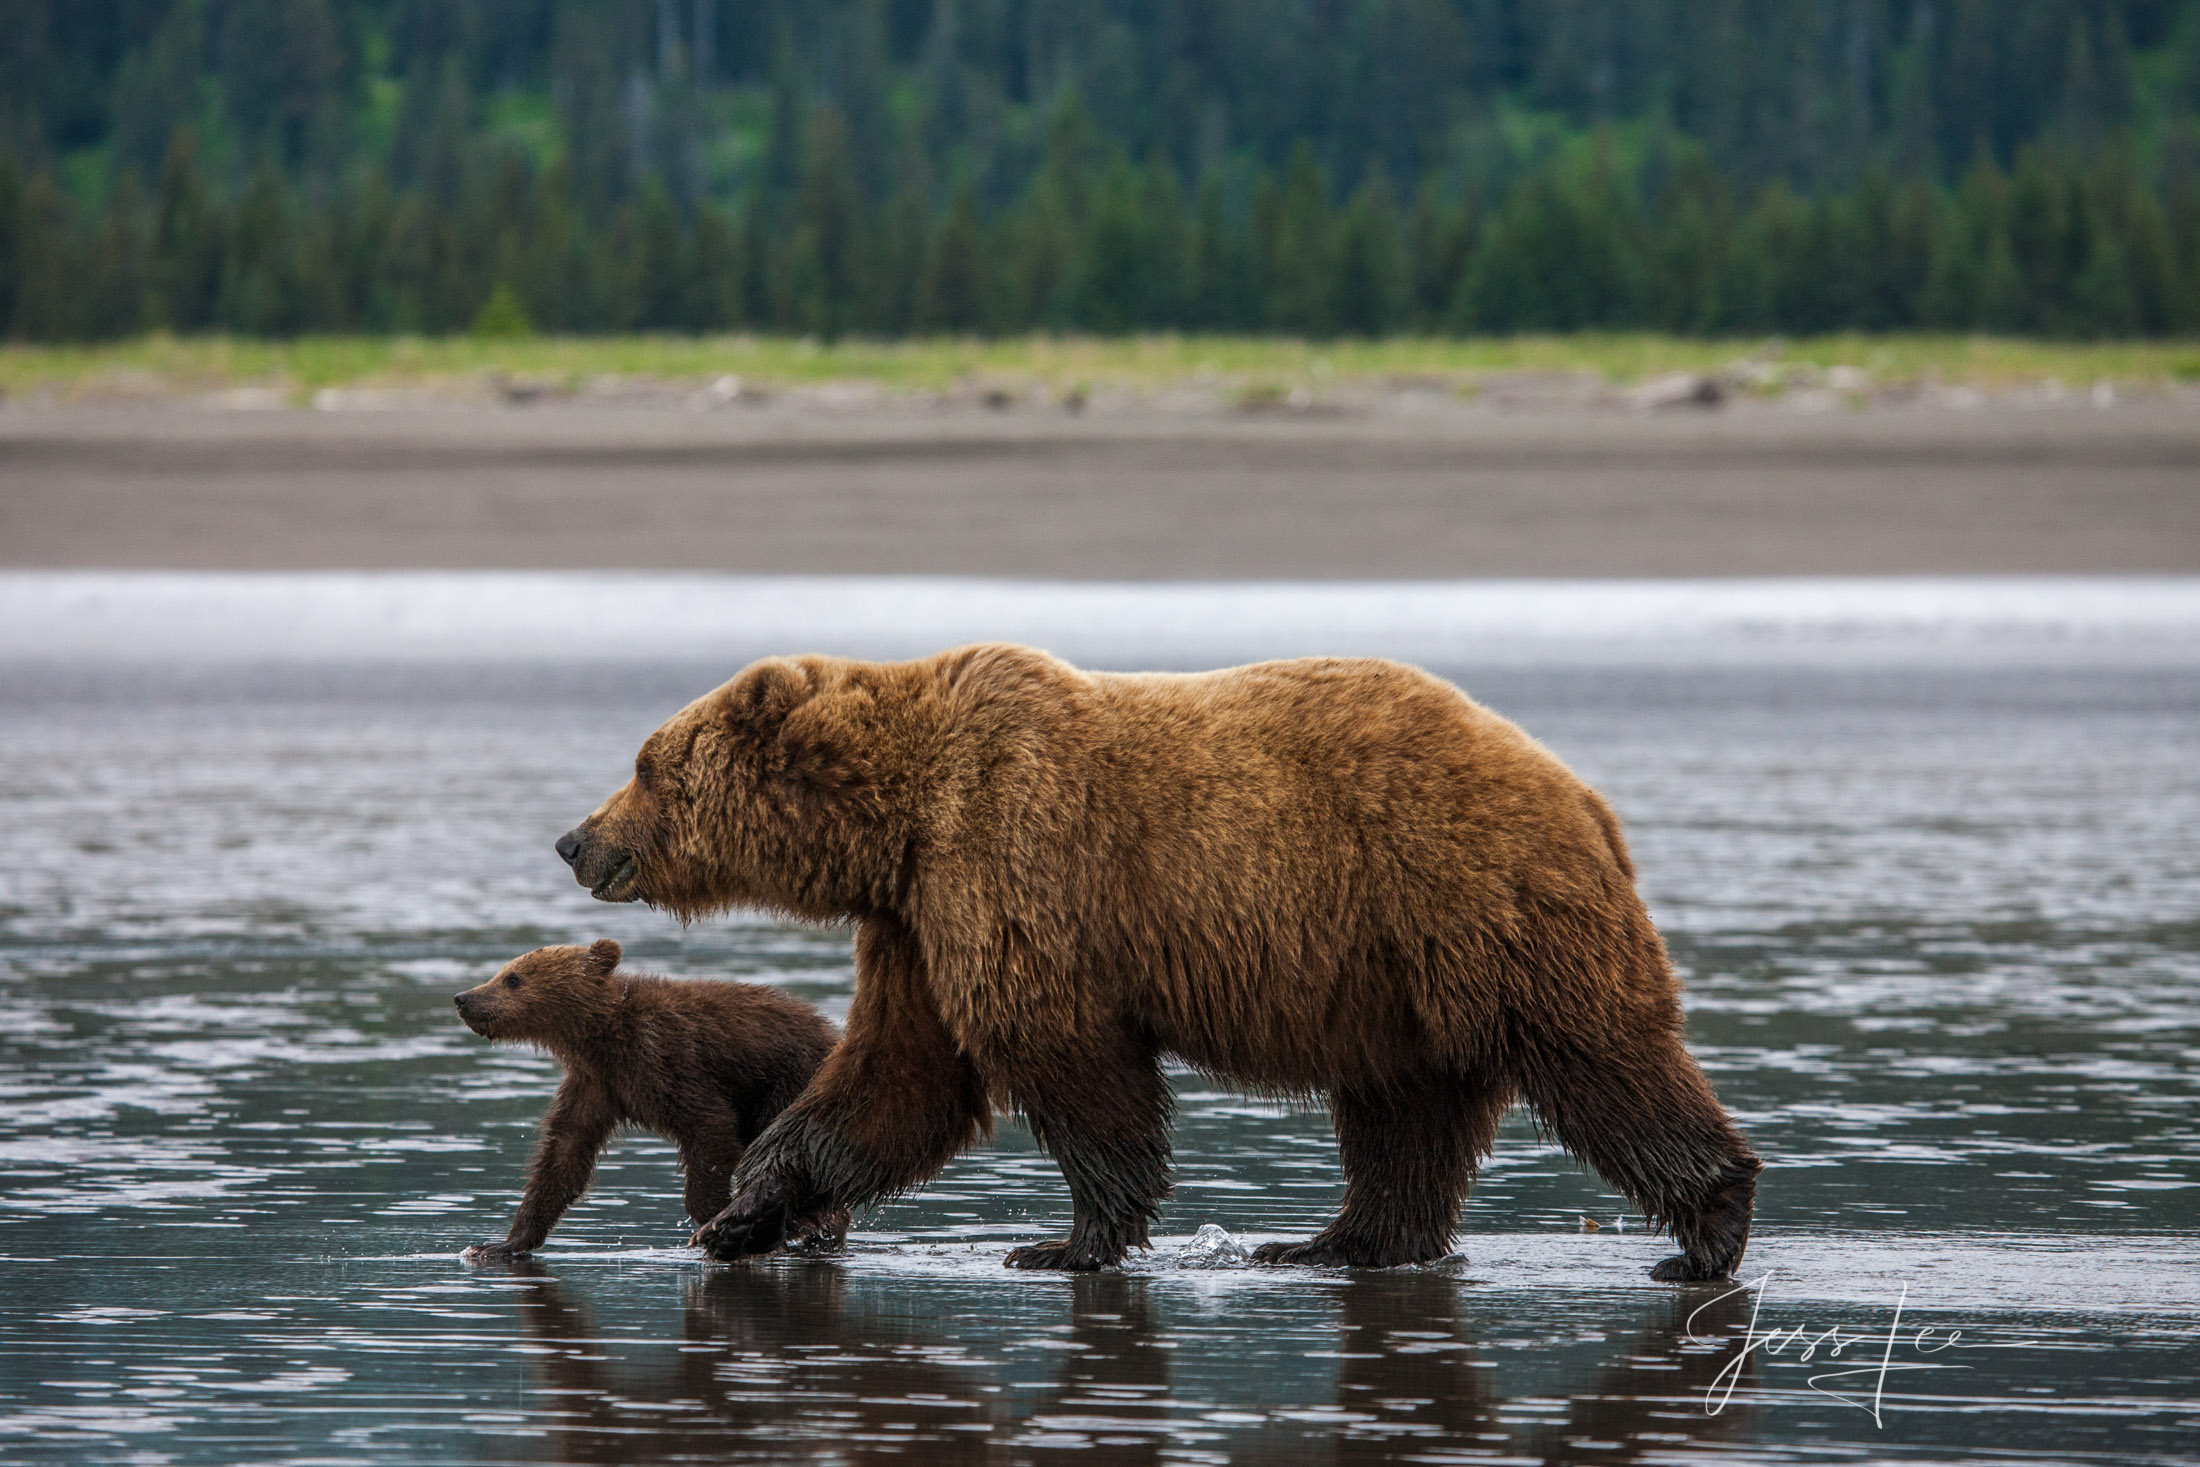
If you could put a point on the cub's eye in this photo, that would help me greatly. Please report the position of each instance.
(511, 980)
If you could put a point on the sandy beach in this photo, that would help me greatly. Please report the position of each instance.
(2009, 487)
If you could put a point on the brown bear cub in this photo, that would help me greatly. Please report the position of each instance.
(705, 1065)
(1329, 877)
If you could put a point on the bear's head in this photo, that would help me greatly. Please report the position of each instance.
(548, 996)
(791, 788)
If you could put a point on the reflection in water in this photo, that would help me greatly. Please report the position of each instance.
(1407, 1377)
(1938, 935)
(777, 1363)
(782, 1363)
(769, 1364)
(1655, 1384)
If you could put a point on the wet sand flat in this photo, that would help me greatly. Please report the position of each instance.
(2004, 489)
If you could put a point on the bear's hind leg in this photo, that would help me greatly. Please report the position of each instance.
(1409, 1155)
(1647, 1121)
(1105, 1121)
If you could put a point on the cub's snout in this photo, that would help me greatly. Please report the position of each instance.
(474, 1007)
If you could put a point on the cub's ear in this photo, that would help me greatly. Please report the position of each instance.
(605, 954)
(766, 692)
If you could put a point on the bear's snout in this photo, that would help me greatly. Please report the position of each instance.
(469, 1009)
(608, 871)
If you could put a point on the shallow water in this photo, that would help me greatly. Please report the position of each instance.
(1940, 922)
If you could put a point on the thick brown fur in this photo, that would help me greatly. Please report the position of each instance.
(705, 1065)
(1327, 877)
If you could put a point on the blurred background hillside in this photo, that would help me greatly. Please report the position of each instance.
(882, 167)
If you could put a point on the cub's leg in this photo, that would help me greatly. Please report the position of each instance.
(707, 1160)
(575, 1128)
(1104, 1118)
(1409, 1155)
(892, 1104)
(1645, 1118)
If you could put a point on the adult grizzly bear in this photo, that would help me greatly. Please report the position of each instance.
(1319, 876)
(705, 1065)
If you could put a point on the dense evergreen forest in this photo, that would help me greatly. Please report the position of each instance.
(880, 167)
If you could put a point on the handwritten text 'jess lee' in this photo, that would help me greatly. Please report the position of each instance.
(1838, 1342)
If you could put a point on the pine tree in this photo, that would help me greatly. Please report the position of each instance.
(13, 244)
(657, 292)
(1108, 290)
(187, 242)
(1301, 268)
(950, 298)
(111, 282)
(45, 253)
(1034, 242)
(1218, 271)
(714, 301)
(1441, 245)
(896, 240)
(822, 256)
(1686, 261)
(1372, 280)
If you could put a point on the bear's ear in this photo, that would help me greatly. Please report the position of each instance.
(767, 692)
(834, 741)
(605, 953)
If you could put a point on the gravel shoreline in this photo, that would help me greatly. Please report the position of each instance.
(1403, 483)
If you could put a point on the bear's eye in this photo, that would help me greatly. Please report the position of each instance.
(641, 775)
(511, 980)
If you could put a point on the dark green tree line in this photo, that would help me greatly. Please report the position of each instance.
(885, 166)
(2064, 243)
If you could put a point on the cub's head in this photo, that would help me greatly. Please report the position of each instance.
(789, 788)
(548, 995)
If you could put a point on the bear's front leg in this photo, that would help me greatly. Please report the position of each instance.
(892, 1104)
(754, 1222)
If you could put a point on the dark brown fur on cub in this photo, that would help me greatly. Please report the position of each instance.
(707, 1066)
(1330, 877)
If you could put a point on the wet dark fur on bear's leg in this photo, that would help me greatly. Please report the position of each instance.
(836, 1148)
(710, 1188)
(1104, 1118)
(1646, 1120)
(1409, 1155)
(1716, 1233)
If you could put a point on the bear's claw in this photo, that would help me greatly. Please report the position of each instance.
(1066, 1255)
(492, 1253)
(1311, 1254)
(732, 1235)
(1681, 1269)
(1325, 1252)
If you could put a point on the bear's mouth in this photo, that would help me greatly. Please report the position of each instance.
(619, 885)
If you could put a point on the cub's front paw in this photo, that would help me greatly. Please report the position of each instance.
(1681, 1269)
(754, 1222)
(493, 1253)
